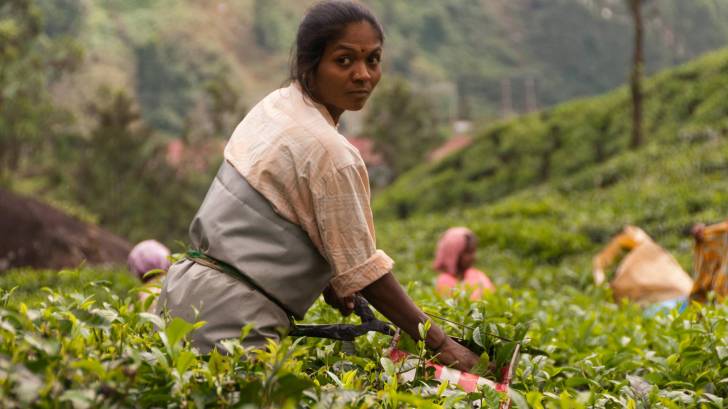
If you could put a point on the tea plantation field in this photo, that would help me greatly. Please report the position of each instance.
(71, 349)
(85, 342)
(686, 103)
(79, 338)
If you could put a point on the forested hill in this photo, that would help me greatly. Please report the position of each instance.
(471, 56)
(585, 141)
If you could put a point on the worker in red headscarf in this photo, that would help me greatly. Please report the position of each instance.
(454, 260)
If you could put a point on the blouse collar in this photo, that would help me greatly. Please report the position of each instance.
(296, 88)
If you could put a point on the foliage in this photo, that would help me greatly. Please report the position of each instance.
(536, 245)
(73, 350)
(164, 83)
(456, 51)
(511, 155)
(29, 61)
(544, 237)
(226, 107)
(28, 284)
(274, 25)
(403, 126)
(570, 48)
(62, 17)
(550, 189)
(126, 180)
(199, 97)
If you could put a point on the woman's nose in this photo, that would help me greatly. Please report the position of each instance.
(361, 73)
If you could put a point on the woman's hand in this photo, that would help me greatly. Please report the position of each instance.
(387, 296)
(456, 356)
(345, 305)
(599, 276)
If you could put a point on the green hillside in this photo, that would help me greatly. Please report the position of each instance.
(540, 229)
(544, 237)
(682, 105)
(167, 53)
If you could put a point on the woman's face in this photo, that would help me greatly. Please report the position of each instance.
(467, 257)
(349, 69)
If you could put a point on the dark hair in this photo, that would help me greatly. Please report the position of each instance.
(323, 23)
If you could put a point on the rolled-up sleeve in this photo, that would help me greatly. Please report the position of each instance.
(344, 218)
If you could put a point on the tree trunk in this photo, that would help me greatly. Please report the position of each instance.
(506, 98)
(636, 76)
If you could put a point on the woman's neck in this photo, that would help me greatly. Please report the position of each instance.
(334, 112)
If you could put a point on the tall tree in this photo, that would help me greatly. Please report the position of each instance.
(122, 177)
(28, 61)
(20, 28)
(402, 125)
(635, 8)
(112, 161)
(226, 108)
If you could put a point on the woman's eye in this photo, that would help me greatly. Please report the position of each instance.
(343, 60)
(375, 59)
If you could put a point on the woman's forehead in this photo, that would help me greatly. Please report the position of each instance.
(358, 37)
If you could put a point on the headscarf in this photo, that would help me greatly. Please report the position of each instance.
(451, 245)
(148, 255)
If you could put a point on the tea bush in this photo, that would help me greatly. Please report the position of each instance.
(68, 350)
(682, 103)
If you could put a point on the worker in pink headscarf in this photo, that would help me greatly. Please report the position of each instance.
(147, 256)
(454, 260)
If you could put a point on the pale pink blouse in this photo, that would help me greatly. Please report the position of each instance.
(473, 280)
(289, 149)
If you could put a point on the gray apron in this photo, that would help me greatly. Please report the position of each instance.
(284, 271)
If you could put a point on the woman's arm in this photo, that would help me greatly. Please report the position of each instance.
(345, 226)
(626, 240)
(389, 298)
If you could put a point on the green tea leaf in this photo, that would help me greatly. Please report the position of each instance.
(388, 365)
(155, 319)
(177, 329)
(184, 361)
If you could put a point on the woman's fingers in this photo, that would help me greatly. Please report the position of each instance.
(457, 356)
(345, 305)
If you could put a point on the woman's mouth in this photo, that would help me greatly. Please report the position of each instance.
(360, 93)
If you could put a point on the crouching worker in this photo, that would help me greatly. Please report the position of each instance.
(647, 275)
(288, 215)
(145, 257)
(454, 260)
(710, 261)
